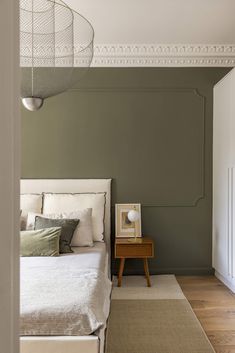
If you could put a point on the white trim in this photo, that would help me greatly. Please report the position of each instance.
(229, 283)
(161, 55)
(231, 243)
(230, 220)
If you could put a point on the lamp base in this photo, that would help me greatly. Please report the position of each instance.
(135, 240)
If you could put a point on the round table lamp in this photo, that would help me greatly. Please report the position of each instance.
(133, 217)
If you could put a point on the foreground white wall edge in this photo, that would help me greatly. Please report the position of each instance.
(164, 55)
(9, 176)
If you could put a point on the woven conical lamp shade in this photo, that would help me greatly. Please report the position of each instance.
(54, 41)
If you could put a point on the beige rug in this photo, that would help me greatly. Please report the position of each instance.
(134, 287)
(153, 320)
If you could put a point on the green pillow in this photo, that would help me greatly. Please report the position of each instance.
(68, 227)
(41, 242)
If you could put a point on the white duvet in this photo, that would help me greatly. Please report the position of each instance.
(64, 295)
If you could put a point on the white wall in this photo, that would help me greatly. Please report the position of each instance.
(224, 180)
(9, 176)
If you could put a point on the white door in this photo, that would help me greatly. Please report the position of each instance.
(224, 179)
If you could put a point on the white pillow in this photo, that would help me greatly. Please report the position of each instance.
(29, 203)
(58, 203)
(83, 234)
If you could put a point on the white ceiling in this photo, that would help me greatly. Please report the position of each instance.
(154, 22)
(160, 21)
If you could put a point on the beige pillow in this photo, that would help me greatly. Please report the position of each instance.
(57, 203)
(29, 203)
(83, 234)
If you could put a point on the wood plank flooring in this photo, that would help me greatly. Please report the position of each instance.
(214, 305)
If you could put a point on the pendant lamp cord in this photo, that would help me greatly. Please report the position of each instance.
(32, 68)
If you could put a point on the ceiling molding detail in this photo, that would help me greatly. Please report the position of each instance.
(160, 55)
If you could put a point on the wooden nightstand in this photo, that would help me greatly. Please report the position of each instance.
(143, 249)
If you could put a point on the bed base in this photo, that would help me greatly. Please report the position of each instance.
(60, 344)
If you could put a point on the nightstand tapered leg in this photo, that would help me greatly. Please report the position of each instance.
(121, 268)
(146, 270)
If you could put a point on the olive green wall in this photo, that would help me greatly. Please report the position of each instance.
(150, 130)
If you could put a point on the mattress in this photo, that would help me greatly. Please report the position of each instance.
(89, 257)
(65, 295)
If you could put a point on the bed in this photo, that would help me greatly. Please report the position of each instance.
(92, 261)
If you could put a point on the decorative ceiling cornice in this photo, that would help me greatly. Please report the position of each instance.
(160, 55)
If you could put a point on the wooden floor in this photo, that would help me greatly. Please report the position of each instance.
(214, 305)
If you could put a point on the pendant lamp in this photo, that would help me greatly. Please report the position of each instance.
(56, 49)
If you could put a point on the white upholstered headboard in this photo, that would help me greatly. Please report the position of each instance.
(37, 186)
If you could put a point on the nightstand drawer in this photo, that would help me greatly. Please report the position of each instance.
(134, 250)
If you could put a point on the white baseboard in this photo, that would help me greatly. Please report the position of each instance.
(230, 283)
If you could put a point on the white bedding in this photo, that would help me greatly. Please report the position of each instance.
(64, 295)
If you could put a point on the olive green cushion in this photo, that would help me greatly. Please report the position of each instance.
(68, 227)
(41, 242)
